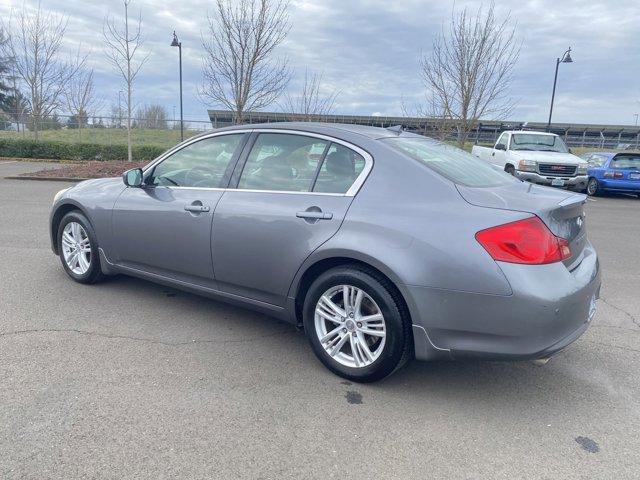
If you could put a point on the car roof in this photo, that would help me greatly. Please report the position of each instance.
(613, 154)
(322, 128)
(530, 132)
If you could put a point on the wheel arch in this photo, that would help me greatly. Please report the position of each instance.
(57, 216)
(320, 264)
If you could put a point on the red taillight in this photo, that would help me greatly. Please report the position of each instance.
(527, 241)
(613, 175)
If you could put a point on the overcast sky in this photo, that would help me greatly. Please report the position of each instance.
(369, 50)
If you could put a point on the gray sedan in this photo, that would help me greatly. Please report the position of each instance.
(384, 245)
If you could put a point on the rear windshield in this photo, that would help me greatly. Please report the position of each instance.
(457, 165)
(626, 161)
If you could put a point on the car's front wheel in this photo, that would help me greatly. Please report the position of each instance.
(357, 324)
(593, 187)
(78, 248)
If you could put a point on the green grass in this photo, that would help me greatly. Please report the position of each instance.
(106, 136)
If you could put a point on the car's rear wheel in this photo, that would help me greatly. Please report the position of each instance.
(357, 324)
(78, 248)
(593, 187)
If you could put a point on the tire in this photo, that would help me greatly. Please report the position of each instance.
(593, 187)
(86, 266)
(510, 169)
(390, 343)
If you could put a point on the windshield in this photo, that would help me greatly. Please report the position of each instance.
(539, 143)
(457, 165)
(631, 161)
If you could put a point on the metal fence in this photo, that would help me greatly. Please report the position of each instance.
(166, 132)
(486, 132)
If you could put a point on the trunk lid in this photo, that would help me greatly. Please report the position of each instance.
(560, 210)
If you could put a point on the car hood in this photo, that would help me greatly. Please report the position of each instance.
(547, 157)
(93, 187)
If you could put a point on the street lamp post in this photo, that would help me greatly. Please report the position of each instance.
(566, 58)
(176, 43)
(636, 115)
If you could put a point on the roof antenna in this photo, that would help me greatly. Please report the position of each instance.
(397, 129)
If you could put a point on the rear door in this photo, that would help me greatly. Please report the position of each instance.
(164, 228)
(292, 193)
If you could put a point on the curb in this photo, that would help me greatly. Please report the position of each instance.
(45, 179)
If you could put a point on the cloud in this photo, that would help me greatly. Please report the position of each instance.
(369, 52)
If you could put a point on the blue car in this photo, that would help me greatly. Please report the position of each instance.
(613, 172)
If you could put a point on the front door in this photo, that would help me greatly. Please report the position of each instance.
(164, 227)
(290, 198)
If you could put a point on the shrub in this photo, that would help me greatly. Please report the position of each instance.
(10, 147)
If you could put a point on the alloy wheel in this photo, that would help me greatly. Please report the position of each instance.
(350, 326)
(76, 248)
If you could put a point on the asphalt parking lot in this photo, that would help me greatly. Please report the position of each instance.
(128, 379)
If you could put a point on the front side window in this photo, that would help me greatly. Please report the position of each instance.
(282, 162)
(626, 161)
(502, 141)
(201, 164)
(339, 170)
(538, 143)
(450, 162)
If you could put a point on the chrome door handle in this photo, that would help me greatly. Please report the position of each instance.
(311, 215)
(196, 208)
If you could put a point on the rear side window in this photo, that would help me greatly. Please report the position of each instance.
(282, 162)
(450, 162)
(596, 160)
(626, 161)
(339, 170)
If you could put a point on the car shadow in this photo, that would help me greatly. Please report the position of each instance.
(485, 383)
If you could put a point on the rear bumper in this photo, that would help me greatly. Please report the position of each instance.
(578, 182)
(550, 308)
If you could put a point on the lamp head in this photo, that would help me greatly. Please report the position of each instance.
(567, 57)
(175, 42)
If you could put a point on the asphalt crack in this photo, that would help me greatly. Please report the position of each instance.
(635, 321)
(621, 347)
(142, 339)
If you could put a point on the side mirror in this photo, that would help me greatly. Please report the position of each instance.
(569, 150)
(500, 146)
(133, 177)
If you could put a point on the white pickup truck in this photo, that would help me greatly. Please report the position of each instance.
(536, 157)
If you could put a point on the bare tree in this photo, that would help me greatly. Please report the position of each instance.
(5, 68)
(237, 67)
(121, 50)
(310, 104)
(152, 117)
(81, 98)
(437, 123)
(469, 69)
(34, 47)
